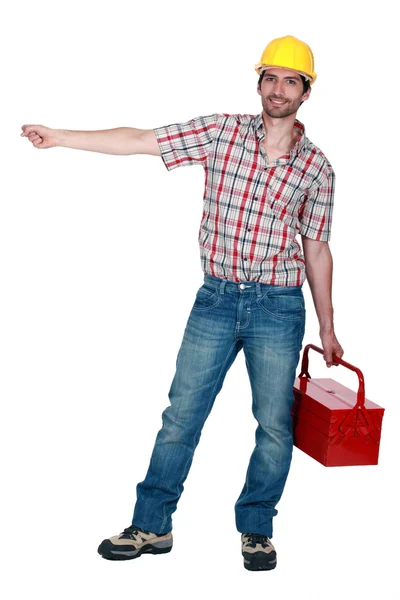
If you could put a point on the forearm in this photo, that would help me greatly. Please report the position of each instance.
(122, 140)
(319, 271)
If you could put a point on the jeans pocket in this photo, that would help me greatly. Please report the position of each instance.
(302, 331)
(206, 297)
(283, 306)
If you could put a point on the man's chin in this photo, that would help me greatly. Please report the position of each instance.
(278, 112)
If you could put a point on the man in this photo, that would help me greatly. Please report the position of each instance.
(265, 182)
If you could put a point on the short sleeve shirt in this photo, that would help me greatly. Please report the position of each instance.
(252, 209)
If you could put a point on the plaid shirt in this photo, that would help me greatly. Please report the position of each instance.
(252, 209)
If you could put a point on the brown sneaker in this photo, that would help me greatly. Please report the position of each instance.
(133, 542)
(258, 552)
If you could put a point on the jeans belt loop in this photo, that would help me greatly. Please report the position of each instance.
(222, 287)
(258, 289)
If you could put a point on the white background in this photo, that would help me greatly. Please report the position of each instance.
(99, 268)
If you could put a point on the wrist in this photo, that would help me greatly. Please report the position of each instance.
(60, 136)
(326, 328)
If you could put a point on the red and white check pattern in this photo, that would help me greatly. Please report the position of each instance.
(252, 209)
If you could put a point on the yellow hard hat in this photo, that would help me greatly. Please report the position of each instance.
(288, 53)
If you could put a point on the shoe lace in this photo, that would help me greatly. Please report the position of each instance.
(257, 538)
(131, 532)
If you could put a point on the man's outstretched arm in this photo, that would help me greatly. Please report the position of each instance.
(319, 269)
(122, 140)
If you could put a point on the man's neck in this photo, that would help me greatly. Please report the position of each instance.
(280, 133)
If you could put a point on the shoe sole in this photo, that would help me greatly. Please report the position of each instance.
(259, 561)
(111, 552)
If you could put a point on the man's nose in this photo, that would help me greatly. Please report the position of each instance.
(278, 88)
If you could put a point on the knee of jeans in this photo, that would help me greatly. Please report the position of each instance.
(275, 435)
(276, 446)
(180, 426)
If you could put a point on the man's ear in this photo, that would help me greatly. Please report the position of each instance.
(258, 89)
(306, 95)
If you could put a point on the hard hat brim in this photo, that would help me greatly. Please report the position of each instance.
(262, 67)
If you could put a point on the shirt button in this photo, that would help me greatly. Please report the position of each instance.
(244, 258)
(248, 229)
(255, 199)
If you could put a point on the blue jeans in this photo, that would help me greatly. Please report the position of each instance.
(268, 323)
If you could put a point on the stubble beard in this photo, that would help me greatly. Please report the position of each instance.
(279, 112)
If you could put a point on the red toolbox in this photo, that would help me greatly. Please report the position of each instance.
(333, 424)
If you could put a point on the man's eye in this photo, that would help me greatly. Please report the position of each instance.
(291, 81)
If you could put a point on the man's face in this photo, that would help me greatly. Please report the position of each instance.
(281, 92)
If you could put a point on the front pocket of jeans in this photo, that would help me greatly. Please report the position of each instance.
(283, 307)
(206, 297)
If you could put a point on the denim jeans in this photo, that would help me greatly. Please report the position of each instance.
(268, 322)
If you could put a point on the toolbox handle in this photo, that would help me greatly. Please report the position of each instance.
(339, 361)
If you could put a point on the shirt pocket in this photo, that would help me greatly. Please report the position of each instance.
(286, 204)
(285, 199)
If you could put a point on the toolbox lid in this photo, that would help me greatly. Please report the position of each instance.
(323, 396)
